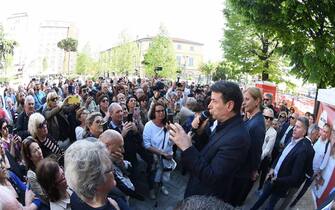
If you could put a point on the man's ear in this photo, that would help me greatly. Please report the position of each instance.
(230, 105)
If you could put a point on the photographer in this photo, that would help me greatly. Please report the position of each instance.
(88, 99)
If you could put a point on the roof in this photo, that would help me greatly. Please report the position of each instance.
(174, 39)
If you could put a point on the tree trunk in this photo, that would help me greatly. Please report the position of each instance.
(68, 63)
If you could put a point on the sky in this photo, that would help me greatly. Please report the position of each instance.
(100, 22)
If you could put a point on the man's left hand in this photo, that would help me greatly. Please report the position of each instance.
(179, 137)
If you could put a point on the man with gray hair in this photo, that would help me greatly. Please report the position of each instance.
(288, 170)
(267, 102)
(23, 118)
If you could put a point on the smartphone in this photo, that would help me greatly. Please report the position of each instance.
(73, 99)
(130, 117)
(170, 117)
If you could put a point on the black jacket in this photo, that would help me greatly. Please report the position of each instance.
(292, 170)
(213, 169)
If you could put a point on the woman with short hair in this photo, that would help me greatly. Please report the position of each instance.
(38, 128)
(94, 126)
(81, 116)
(89, 172)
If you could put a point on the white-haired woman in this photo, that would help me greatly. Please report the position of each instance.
(37, 127)
(89, 172)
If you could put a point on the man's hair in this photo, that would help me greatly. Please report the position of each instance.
(269, 95)
(230, 92)
(200, 202)
(312, 128)
(305, 123)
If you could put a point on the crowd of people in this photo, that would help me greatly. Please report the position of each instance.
(73, 144)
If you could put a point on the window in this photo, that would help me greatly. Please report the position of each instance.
(178, 60)
(190, 61)
(178, 46)
(191, 48)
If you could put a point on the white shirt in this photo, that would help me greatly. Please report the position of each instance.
(63, 204)
(320, 158)
(153, 136)
(269, 142)
(282, 141)
(79, 132)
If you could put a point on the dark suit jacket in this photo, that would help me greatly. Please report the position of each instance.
(212, 170)
(310, 156)
(281, 134)
(22, 125)
(292, 170)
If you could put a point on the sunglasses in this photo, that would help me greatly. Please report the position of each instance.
(43, 125)
(266, 99)
(105, 100)
(100, 122)
(282, 116)
(293, 118)
(54, 99)
(268, 118)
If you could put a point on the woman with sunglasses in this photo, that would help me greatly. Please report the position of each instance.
(269, 142)
(103, 102)
(13, 192)
(51, 177)
(10, 142)
(255, 124)
(38, 128)
(282, 119)
(94, 126)
(58, 124)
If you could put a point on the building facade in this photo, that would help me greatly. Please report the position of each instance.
(189, 56)
(51, 57)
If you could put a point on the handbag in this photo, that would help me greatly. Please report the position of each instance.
(168, 165)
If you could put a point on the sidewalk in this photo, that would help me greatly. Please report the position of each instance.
(177, 186)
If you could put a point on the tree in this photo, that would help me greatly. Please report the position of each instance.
(306, 30)
(6, 47)
(161, 54)
(123, 58)
(68, 45)
(250, 50)
(207, 69)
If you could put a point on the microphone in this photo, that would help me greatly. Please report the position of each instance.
(203, 116)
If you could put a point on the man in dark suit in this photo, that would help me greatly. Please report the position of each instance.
(284, 136)
(213, 169)
(288, 171)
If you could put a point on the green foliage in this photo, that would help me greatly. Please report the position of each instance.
(161, 53)
(306, 30)
(68, 45)
(123, 58)
(247, 49)
(6, 46)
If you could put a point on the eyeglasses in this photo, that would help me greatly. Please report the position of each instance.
(268, 118)
(105, 100)
(162, 110)
(282, 116)
(99, 122)
(43, 125)
(266, 99)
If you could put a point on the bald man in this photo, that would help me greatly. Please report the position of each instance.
(114, 143)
